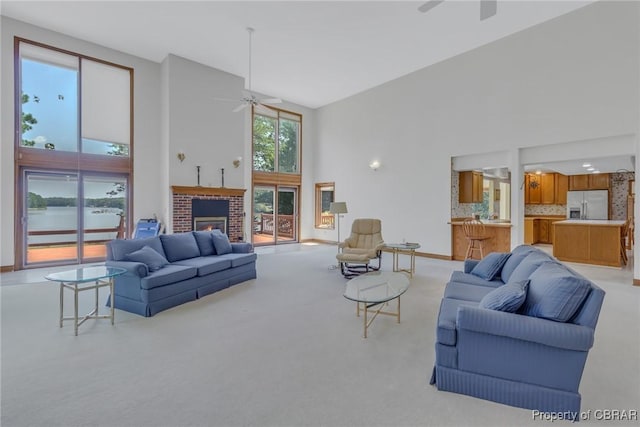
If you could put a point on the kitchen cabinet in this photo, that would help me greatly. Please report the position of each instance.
(499, 239)
(588, 242)
(543, 189)
(543, 231)
(530, 231)
(597, 181)
(470, 187)
(547, 188)
(562, 186)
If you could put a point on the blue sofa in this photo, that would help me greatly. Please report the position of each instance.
(516, 329)
(171, 269)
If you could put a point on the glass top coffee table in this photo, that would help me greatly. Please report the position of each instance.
(376, 289)
(84, 279)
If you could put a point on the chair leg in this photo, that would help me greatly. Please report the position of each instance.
(481, 251)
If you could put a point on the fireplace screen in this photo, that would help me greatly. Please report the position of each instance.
(208, 223)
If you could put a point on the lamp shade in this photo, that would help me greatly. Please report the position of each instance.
(338, 207)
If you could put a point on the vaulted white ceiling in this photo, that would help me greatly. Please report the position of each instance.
(308, 52)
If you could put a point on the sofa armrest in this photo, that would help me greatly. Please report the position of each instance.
(136, 269)
(469, 264)
(525, 328)
(242, 248)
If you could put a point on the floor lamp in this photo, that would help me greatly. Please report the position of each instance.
(338, 208)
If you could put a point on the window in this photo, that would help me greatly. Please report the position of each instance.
(74, 162)
(276, 140)
(324, 198)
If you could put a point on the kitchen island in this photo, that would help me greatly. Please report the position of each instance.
(588, 241)
(499, 232)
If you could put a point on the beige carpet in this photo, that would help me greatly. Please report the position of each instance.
(285, 349)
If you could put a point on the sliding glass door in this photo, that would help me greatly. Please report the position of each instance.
(274, 214)
(69, 217)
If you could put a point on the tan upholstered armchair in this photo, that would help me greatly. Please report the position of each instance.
(363, 245)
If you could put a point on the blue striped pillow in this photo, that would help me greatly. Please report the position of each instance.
(507, 297)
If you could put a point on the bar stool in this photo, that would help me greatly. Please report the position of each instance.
(475, 234)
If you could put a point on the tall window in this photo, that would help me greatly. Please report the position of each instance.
(74, 162)
(324, 198)
(276, 175)
(276, 140)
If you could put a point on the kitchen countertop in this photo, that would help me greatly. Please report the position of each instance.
(609, 222)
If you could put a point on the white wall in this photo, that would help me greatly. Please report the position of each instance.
(174, 110)
(571, 79)
(147, 114)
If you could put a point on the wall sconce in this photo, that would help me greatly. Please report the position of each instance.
(181, 156)
(236, 162)
(375, 164)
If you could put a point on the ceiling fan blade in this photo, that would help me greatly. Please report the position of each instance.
(240, 108)
(488, 8)
(271, 101)
(429, 5)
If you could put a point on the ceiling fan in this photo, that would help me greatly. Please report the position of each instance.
(488, 8)
(248, 98)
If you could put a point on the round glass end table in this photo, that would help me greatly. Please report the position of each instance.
(84, 279)
(407, 249)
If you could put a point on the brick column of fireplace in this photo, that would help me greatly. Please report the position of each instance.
(182, 199)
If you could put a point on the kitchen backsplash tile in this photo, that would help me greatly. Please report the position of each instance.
(619, 193)
(545, 210)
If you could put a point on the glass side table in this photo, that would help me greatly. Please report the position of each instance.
(407, 249)
(84, 279)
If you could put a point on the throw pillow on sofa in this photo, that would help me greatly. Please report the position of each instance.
(205, 242)
(509, 297)
(221, 242)
(489, 267)
(148, 256)
(180, 246)
(555, 293)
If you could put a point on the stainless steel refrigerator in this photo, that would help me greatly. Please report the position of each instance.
(592, 204)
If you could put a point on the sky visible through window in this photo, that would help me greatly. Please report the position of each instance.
(53, 101)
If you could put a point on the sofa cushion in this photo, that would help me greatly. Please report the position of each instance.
(528, 265)
(466, 291)
(205, 242)
(146, 255)
(238, 259)
(507, 298)
(207, 264)
(170, 274)
(121, 247)
(446, 333)
(555, 293)
(180, 246)
(459, 276)
(489, 267)
(517, 255)
(221, 242)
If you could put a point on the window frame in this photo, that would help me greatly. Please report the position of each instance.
(278, 115)
(53, 160)
(318, 205)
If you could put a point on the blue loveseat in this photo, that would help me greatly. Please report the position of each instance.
(171, 269)
(516, 329)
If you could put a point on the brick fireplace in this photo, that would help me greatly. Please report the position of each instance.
(219, 200)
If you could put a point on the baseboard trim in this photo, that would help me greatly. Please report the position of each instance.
(6, 268)
(421, 254)
(636, 282)
(325, 242)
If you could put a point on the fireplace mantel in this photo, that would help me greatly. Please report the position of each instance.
(208, 191)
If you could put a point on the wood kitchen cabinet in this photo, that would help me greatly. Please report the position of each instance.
(541, 189)
(562, 186)
(471, 187)
(543, 231)
(531, 226)
(598, 181)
